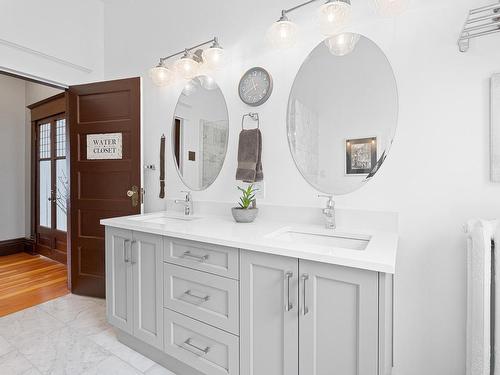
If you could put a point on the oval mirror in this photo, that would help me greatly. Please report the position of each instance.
(342, 113)
(200, 132)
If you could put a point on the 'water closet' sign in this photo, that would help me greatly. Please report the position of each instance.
(104, 146)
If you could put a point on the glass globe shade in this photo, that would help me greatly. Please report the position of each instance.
(342, 44)
(161, 75)
(207, 82)
(190, 88)
(186, 67)
(282, 34)
(390, 8)
(213, 57)
(334, 16)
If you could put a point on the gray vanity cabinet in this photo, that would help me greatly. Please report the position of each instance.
(307, 318)
(208, 309)
(119, 279)
(269, 326)
(134, 284)
(338, 323)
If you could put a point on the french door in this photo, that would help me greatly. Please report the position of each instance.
(52, 186)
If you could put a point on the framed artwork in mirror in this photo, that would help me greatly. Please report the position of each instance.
(360, 155)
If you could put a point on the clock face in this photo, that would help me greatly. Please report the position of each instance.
(255, 86)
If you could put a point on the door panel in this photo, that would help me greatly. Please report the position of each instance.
(338, 329)
(119, 279)
(99, 187)
(51, 187)
(269, 337)
(147, 265)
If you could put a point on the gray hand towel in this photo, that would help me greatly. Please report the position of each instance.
(249, 156)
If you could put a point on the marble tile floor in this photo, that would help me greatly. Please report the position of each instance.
(67, 336)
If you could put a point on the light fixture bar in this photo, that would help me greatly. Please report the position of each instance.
(214, 40)
(284, 12)
(472, 29)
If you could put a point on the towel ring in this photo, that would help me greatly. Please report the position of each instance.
(254, 116)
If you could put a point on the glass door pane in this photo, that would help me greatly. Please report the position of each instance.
(45, 176)
(45, 205)
(62, 183)
(62, 194)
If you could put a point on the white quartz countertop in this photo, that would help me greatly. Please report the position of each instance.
(379, 255)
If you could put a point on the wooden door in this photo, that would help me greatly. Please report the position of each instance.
(147, 266)
(268, 314)
(119, 282)
(338, 324)
(101, 178)
(51, 186)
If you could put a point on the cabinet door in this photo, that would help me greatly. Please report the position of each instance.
(338, 323)
(147, 268)
(119, 278)
(268, 314)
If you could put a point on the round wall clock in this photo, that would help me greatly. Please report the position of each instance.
(255, 86)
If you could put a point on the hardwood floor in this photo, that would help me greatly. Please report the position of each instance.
(28, 280)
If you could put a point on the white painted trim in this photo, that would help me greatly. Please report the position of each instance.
(4, 69)
(45, 56)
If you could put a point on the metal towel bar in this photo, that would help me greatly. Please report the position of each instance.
(480, 22)
(254, 116)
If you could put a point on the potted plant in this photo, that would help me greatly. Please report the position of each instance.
(247, 210)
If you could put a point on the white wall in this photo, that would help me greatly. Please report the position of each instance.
(58, 40)
(12, 158)
(436, 175)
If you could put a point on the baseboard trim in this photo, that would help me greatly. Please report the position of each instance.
(16, 245)
(155, 354)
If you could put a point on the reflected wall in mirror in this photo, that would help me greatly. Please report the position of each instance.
(342, 115)
(200, 133)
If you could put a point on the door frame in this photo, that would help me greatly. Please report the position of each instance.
(25, 76)
(50, 108)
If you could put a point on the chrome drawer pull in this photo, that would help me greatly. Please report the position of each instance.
(132, 252)
(126, 259)
(190, 294)
(289, 305)
(187, 254)
(304, 278)
(188, 343)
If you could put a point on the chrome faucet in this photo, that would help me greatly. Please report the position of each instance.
(329, 211)
(187, 202)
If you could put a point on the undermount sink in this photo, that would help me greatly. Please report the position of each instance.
(165, 218)
(322, 239)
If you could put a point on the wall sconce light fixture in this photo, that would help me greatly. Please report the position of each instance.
(334, 17)
(193, 60)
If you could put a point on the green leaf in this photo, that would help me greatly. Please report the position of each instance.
(247, 196)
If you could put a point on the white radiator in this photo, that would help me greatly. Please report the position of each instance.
(482, 326)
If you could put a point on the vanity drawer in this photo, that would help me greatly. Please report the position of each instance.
(203, 296)
(219, 260)
(205, 348)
